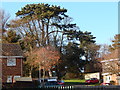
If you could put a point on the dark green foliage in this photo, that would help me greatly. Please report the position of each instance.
(26, 70)
(78, 46)
(112, 82)
(40, 22)
(11, 37)
(72, 58)
(41, 10)
(71, 76)
(83, 37)
(115, 43)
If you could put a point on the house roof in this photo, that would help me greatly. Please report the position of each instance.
(8, 49)
(113, 55)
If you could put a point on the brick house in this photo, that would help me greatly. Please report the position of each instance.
(12, 60)
(111, 67)
(111, 71)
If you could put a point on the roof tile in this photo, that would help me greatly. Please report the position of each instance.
(9, 49)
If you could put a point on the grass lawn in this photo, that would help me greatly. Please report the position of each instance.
(74, 82)
(78, 82)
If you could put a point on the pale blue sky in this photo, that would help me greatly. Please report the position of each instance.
(100, 18)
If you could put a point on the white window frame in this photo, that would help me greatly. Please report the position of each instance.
(9, 79)
(15, 78)
(11, 61)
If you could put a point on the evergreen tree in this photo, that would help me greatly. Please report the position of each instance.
(11, 37)
(116, 43)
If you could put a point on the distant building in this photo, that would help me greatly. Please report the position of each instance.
(92, 75)
(111, 70)
(111, 67)
(11, 58)
(93, 70)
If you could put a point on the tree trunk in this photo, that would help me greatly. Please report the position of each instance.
(39, 72)
(43, 73)
(47, 27)
(50, 74)
(43, 34)
(30, 74)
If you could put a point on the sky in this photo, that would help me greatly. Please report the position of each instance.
(100, 18)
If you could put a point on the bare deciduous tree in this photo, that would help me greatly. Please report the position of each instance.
(4, 17)
(44, 58)
(111, 63)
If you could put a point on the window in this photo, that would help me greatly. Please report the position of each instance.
(11, 62)
(16, 77)
(9, 79)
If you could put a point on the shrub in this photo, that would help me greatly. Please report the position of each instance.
(70, 76)
(112, 82)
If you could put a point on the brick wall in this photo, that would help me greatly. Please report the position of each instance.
(113, 77)
(11, 70)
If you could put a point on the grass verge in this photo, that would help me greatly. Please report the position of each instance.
(74, 82)
(78, 82)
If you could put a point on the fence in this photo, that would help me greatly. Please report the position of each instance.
(69, 88)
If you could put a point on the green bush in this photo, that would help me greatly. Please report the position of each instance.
(70, 76)
(112, 82)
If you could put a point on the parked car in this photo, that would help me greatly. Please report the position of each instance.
(61, 82)
(107, 84)
(92, 80)
(50, 84)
